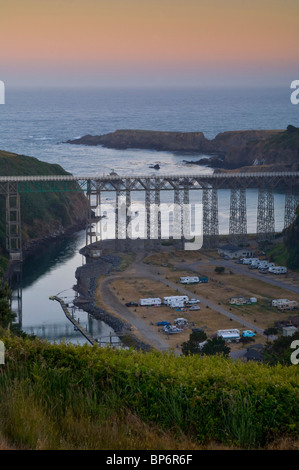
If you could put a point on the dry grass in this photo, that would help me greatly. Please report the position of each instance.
(206, 318)
(218, 290)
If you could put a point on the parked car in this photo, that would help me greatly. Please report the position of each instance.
(131, 304)
(194, 307)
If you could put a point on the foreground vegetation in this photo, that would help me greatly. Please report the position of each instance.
(82, 397)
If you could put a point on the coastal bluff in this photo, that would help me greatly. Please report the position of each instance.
(173, 141)
(230, 149)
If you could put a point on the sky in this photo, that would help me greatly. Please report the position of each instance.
(148, 42)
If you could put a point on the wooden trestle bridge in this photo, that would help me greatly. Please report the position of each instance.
(12, 187)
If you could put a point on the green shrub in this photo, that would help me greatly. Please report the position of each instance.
(205, 398)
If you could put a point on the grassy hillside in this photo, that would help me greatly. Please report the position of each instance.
(288, 139)
(279, 152)
(287, 252)
(42, 214)
(83, 397)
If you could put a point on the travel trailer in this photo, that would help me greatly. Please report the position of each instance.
(150, 301)
(278, 270)
(189, 280)
(175, 298)
(284, 304)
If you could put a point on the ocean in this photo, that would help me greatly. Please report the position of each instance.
(37, 122)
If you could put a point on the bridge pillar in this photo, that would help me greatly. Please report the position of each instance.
(16, 291)
(291, 203)
(13, 223)
(265, 215)
(238, 219)
(122, 217)
(94, 199)
(210, 217)
(153, 214)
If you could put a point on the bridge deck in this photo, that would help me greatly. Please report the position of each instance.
(161, 182)
(103, 177)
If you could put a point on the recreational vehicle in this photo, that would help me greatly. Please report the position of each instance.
(229, 335)
(175, 298)
(150, 301)
(189, 280)
(278, 270)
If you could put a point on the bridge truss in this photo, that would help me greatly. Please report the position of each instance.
(12, 187)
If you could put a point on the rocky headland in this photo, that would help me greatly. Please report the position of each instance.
(46, 215)
(269, 149)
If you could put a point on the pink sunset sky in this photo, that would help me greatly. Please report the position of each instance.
(149, 42)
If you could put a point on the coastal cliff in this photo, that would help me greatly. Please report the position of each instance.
(231, 149)
(45, 215)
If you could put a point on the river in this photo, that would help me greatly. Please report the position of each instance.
(51, 271)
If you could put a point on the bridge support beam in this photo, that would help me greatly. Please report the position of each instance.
(153, 214)
(265, 215)
(291, 203)
(94, 199)
(238, 217)
(210, 218)
(13, 223)
(181, 221)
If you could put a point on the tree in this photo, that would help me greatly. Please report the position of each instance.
(219, 269)
(272, 330)
(215, 346)
(192, 345)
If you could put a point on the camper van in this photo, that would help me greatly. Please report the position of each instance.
(193, 301)
(229, 335)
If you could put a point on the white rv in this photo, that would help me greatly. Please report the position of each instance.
(229, 335)
(289, 305)
(277, 302)
(253, 260)
(189, 280)
(150, 301)
(284, 304)
(278, 270)
(175, 298)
